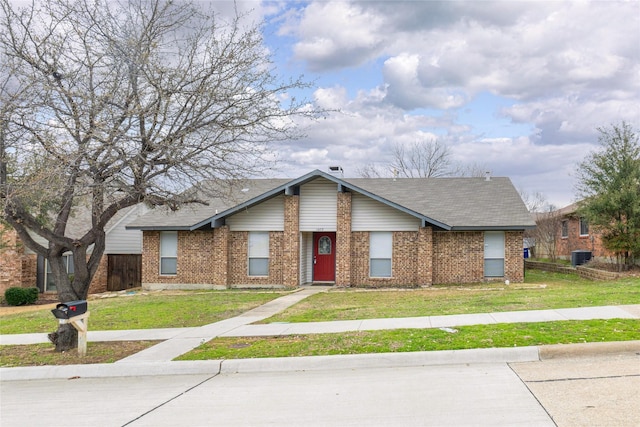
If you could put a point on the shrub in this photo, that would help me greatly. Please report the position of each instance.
(21, 296)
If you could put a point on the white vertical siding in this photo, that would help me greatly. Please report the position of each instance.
(266, 216)
(370, 215)
(119, 240)
(318, 205)
(306, 256)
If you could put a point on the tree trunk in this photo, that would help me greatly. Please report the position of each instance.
(65, 338)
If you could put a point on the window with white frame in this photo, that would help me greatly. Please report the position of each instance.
(565, 228)
(584, 227)
(169, 252)
(258, 253)
(380, 253)
(49, 280)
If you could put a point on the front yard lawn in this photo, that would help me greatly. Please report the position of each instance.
(148, 311)
(541, 290)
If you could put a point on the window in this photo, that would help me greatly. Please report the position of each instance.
(584, 227)
(168, 252)
(49, 281)
(565, 228)
(380, 253)
(324, 246)
(494, 254)
(259, 253)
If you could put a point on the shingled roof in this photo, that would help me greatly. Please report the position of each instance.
(446, 203)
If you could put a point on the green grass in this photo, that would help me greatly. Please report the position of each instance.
(541, 290)
(148, 311)
(407, 340)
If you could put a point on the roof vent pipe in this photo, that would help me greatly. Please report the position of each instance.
(487, 176)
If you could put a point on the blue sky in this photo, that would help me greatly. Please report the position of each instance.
(517, 87)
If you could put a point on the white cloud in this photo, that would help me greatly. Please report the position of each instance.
(562, 68)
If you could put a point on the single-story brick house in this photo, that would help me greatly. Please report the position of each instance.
(319, 228)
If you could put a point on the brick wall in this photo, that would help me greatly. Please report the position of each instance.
(11, 260)
(406, 269)
(425, 257)
(99, 281)
(513, 256)
(239, 265)
(195, 255)
(575, 242)
(343, 240)
(220, 256)
(458, 257)
(290, 247)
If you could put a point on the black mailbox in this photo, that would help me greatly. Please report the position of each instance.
(70, 309)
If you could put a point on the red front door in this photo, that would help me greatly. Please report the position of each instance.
(324, 257)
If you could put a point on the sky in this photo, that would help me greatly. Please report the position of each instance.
(518, 87)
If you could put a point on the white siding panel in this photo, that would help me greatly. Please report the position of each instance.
(368, 214)
(119, 240)
(306, 255)
(123, 241)
(318, 205)
(266, 216)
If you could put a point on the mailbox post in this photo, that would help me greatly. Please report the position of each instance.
(75, 312)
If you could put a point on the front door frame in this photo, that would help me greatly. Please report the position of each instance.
(324, 265)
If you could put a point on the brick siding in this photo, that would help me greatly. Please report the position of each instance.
(343, 240)
(409, 267)
(458, 257)
(17, 269)
(575, 242)
(239, 261)
(513, 256)
(290, 246)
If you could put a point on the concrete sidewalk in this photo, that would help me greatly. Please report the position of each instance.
(240, 326)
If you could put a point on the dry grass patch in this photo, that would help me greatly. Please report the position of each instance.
(45, 354)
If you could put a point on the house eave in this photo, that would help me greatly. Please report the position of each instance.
(492, 227)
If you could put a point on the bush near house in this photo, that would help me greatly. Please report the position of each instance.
(21, 296)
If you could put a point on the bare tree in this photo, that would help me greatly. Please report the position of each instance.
(546, 233)
(535, 202)
(115, 103)
(421, 159)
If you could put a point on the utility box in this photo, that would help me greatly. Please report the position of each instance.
(68, 310)
(580, 257)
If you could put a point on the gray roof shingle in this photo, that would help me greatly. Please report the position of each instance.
(450, 203)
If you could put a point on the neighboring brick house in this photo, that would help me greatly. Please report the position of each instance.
(120, 267)
(349, 232)
(574, 234)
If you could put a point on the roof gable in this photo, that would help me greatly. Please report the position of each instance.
(445, 203)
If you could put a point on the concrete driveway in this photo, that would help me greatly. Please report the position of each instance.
(587, 391)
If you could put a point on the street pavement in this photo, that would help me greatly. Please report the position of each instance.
(530, 386)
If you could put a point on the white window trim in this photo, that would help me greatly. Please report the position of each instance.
(378, 253)
(580, 221)
(260, 254)
(169, 256)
